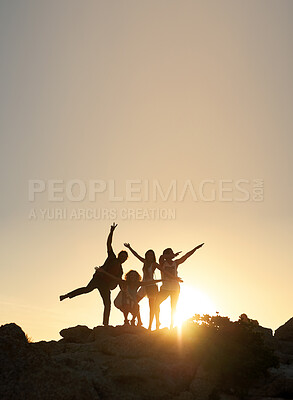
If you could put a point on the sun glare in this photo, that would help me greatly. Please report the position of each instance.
(191, 301)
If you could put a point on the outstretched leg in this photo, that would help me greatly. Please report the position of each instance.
(106, 296)
(91, 286)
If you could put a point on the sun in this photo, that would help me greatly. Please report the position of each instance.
(191, 301)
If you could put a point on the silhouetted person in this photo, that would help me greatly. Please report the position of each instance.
(102, 282)
(149, 267)
(171, 287)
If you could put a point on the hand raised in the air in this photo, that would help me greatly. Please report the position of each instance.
(113, 227)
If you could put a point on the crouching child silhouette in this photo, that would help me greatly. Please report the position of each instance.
(127, 299)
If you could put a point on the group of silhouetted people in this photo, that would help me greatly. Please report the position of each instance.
(133, 288)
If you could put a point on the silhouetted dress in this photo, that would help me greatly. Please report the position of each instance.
(127, 297)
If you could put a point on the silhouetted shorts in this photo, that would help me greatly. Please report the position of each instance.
(164, 294)
(149, 291)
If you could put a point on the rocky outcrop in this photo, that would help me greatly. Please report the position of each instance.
(285, 332)
(280, 382)
(126, 363)
(28, 371)
(12, 334)
(112, 363)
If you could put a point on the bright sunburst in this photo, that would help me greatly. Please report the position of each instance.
(191, 301)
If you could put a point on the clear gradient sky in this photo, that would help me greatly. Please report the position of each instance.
(150, 90)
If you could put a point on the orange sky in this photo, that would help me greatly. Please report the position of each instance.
(152, 91)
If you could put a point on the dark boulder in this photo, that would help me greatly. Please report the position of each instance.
(285, 332)
(12, 334)
(77, 334)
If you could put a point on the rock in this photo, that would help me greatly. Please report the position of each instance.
(202, 389)
(279, 384)
(184, 396)
(12, 334)
(13, 352)
(115, 363)
(27, 372)
(267, 336)
(201, 386)
(285, 347)
(262, 398)
(125, 346)
(119, 330)
(285, 332)
(229, 397)
(123, 363)
(145, 377)
(280, 387)
(266, 332)
(77, 334)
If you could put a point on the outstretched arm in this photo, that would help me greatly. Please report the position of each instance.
(185, 257)
(127, 245)
(110, 237)
(102, 271)
(148, 283)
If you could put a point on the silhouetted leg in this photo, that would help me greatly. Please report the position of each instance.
(91, 286)
(139, 323)
(157, 312)
(162, 295)
(125, 313)
(174, 301)
(152, 305)
(106, 296)
(141, 293)
(135, 313)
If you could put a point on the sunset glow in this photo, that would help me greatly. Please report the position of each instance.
(172, 119)
(191, 301)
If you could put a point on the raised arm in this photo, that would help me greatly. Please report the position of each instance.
(102, 271)
(185, 257)
(127, 245)
(110, 237)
